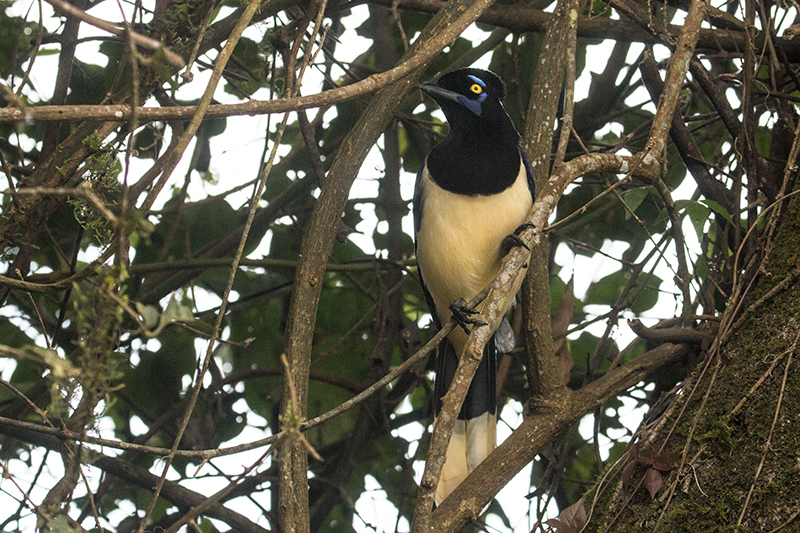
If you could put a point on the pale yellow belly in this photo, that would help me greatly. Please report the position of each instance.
(459, 243)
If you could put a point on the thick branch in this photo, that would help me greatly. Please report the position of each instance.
(679, 132)
(676, 73)
(542, 367)
(516, 18)
(554, 414)
(673, 334)
(440, 32)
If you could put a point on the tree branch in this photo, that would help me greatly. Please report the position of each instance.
(682, 138)
(555, 412)
(140, 477)
(441, 31)
(674, 334)
(145, 42)
(542, 368)
(516, 18)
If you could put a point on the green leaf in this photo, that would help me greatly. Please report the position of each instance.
(646, 296)
(176, 312)
(717, 208)
(633, 198)
(60, 525)
(149, 314)
(698, 215)
(606, 290)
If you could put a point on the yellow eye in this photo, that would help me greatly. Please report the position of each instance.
(477, 89)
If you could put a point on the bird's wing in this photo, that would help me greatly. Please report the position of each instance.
(528, 171)
(416, 203)
(416, 210)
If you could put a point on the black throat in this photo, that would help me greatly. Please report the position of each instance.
(480, 155)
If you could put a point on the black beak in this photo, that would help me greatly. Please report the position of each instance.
(438, 94)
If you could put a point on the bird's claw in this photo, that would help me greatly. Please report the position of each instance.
(513, 240)
(461, 312)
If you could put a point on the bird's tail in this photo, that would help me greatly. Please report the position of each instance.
(474, 436)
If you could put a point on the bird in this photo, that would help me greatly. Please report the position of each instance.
(472, 196)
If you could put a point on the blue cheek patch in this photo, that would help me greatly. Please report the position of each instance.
(473, 105)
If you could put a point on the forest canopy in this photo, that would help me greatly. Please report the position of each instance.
(211, 317)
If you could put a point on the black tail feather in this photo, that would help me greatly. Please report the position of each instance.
(482, 395)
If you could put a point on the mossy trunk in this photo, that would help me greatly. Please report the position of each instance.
(737, 438)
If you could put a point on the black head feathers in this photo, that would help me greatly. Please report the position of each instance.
(480, 154)
(463, 81)
(472, 89)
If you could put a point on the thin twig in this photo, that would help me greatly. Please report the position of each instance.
(584, 208)
(27, 400)
(219, 66)
(90, 494)
(187, 73)
(771, 432)
(788, 521)
(81, 191)
(758, 383)
(683, 277)
(34, 53)
(60, 285)
(65, 434)
(139, 39)
(194, 512)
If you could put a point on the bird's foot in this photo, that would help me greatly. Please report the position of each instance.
(513, 240)
(461, 312)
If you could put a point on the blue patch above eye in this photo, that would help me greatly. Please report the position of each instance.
(483, 95)
(477, 80)
(475, 105)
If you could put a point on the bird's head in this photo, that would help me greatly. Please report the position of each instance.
(467, 91)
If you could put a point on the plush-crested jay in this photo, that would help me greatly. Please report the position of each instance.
(474, 190)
